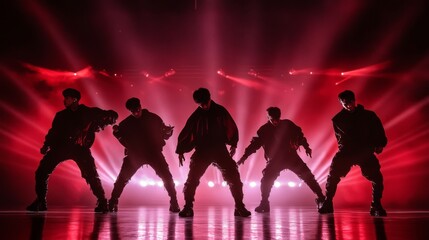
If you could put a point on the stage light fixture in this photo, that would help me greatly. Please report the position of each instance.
(291, 184)
(145, 73)
(221, 72)
(143, 183)
(169, 73)
(252, 73)
(210, 184)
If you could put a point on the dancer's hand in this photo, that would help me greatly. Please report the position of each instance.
(378, 150)
(181, 159)
(308, 151)
(44, 149)
(232, 151)
(241, 161)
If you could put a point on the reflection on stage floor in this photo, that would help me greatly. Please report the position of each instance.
(212, 222)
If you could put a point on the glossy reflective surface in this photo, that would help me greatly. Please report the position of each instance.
(212, 222)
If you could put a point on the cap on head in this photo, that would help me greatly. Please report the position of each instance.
(274, 112)
(347, 95)
(132, 103)
(201, 95)
(71, 92)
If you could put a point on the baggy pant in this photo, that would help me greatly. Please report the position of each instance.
(220, 158)
(81, 156)
(293, 163)
(130, 166)
(341, 165)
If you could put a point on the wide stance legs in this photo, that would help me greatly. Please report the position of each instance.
(370, 168)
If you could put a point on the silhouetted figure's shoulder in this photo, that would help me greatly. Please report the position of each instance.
(287, 122)
(67, 112)
(146, 115)
(265, 127)
(151, 115)
(359, 112)
(218, 107)
(283, 123)
(214, 109)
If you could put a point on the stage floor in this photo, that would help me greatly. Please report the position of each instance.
(212, 222)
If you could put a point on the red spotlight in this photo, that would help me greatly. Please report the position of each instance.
(252, 73)
(169, 73)
(221, 72)
(145, 73)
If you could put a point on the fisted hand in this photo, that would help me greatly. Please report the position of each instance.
(241, 161)
(115, 128)
(308, 151)
(44, 149)
(232, 151)
(181, 159)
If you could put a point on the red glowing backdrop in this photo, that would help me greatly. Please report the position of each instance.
(297, 55)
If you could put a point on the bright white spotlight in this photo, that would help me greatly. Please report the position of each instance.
(291, 184)
(176, 183)
(160, 184)
(151, 182)
(143, 183)
(221, 72)
(224, 184)
(252, 184)
(277, 184)
(211, 184)
(145, 73)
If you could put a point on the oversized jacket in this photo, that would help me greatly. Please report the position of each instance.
(143, 135)
(78, 127)
(277, 141)
(205, 128)
(358, 130)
